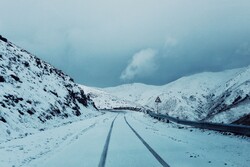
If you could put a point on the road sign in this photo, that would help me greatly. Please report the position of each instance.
(158, 100)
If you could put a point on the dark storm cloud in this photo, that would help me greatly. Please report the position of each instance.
(107, 42)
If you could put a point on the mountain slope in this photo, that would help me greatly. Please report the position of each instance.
(107, 101)
(231, 100)
(33, 94)
(187, 97)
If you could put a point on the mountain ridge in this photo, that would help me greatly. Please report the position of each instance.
(193, 97)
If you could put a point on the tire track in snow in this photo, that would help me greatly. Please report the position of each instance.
(105, 149)
(157, 156)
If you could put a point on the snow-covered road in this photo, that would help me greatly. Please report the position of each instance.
(126, 149)
(141, 141)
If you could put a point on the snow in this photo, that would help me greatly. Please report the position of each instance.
(48, 120)
(231, 100)
(86, 151)
(37, 147)
(189, 146)
(181, 98)
(81, 144)
(197, 97)
(134, 153)
(104, 100)
(34, 95)
(232, 114)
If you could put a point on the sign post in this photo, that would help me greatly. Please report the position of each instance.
(157, 101)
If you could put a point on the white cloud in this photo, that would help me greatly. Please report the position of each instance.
(142, 64)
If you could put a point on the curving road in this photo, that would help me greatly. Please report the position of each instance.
(132, 139)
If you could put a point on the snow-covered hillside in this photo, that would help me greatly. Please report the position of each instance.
(231, 100)
(196, 97)
(34, 95)
(104, 100)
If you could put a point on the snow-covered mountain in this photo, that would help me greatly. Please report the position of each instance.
(209, 96)
(231, 100)
(107, 101)
(34, 95)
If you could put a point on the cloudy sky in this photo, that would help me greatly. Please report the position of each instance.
(111, 42)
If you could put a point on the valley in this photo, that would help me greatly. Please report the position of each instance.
(48, 120)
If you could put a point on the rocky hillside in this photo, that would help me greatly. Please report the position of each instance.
(231, 100)
(209, 96)
(35, 95)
